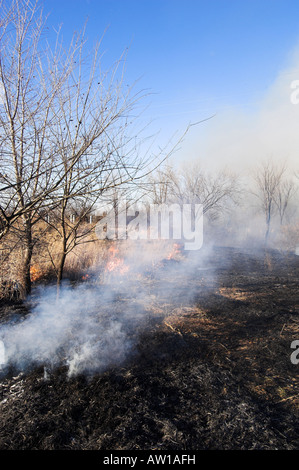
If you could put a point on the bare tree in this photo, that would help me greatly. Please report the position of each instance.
(270, 191)
(191, 184)
(284, 194)
(65, 135)
(158, 186)
(30, 75)
(93, 143)
(64, 126)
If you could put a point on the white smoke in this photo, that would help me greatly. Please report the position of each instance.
(95, 325)
(73, 330)
(240, 136)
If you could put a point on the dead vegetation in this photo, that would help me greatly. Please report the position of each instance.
(45, 259)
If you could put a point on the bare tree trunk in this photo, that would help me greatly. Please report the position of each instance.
(25, 277)
(269, 182)
(60, 269)
(63, 251)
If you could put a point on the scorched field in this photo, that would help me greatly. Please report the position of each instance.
(203, 361)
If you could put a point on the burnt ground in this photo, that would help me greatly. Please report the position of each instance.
(213, 371)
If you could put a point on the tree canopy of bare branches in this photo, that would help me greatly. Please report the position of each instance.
(274, 191)
(64, 128)
(193, 185)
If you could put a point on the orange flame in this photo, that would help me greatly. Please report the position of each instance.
(176, 250)
(35, 272)
(116, 264)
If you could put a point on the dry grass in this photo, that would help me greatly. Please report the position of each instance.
(47, 250)
(84, 260)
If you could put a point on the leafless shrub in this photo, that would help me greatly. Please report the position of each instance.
(274, 191)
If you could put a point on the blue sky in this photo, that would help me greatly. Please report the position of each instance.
(197, 57)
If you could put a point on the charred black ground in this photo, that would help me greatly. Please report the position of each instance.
(210, 371)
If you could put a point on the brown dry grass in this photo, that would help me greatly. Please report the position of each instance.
(46, 254)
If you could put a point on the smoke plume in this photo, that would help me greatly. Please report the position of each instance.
(96, 324)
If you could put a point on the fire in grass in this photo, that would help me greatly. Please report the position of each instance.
(116, 264)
